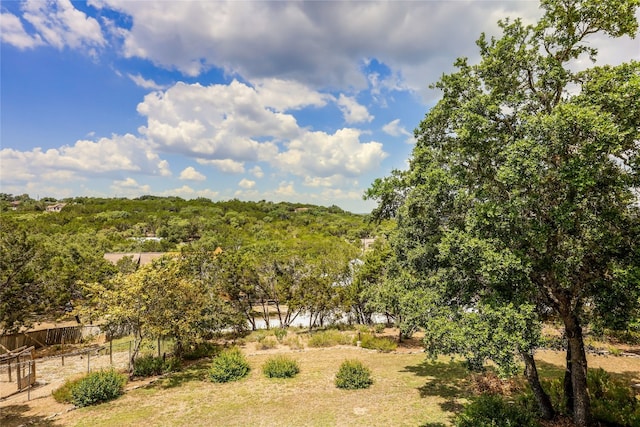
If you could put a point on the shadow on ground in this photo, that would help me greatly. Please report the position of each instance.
(446, 380)
(14, 415)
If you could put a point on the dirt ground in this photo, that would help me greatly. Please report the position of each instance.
(39, 408)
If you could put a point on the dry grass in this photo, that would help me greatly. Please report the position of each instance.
(407, 391)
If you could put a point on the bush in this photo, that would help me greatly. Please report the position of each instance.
(383, 344)
(63, 394)
(230, 365)
(148, 365)
(328, 338)
(612, 401)
(267, 343)
(98, 387)
(493, 411)
(294, 342)
(201, 350)
(353, 375)
(280, 367)
(280, 333)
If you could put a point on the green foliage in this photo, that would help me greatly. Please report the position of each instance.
(490, 410)
(280, 333)
(612, 399)
(149, 365)
(98, 387)
(201, 350)
(63, 393)
(267, 343)
(353, 375)
(383, 344)
(328, 338)
(280, 367)
(229, 365)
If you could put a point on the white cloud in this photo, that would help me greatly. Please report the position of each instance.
(226, 165)
(145, 83)
(190, 174)
(187, 192)
(394, 128)
(246, 184)
(83, 159)
(129, 187)
(13, 33)
(352, 111)
(61, 25)
(257, 172)
(285, 189)
(324, 155)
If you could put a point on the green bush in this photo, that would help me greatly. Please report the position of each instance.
(98, 387)
(294, 342)
(63, 393)
(328, 338)
(267, 343)
(372, 342)
(612, 401)
(280, 367)
(148, 365)
(201, 350)
(353, 375)
(493, 411)
(229, 365)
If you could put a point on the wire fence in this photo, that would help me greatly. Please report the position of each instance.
(51, 372)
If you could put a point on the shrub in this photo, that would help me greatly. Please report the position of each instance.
(493, 411)
(353, 375)
(201, 350)
(148, 365)
(383, 344)
(229, 365)
(294, 342)
(280, 367)
(328, 338)
(280, 333)
(63, 393)
(612, 401)
(267, 343)
(98, 387)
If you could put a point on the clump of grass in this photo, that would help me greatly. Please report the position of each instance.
(328, 338)
(280, 333)
(294, 342)
(267, 343)
(489, 410)
(372, 342)
(353, 375)
(229, 365)
(280, 367)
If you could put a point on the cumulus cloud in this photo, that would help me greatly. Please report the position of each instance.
(257, 172)
(60, 24)
(247, 184)
(190, 174)
(129, 187)
(104, 157)
(324, 155)
(226, 165)
(352, 111)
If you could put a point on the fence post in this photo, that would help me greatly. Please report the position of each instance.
(63, 350)
(111, 351)
(29, 382)
(9, 366)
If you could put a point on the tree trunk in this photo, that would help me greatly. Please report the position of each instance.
(568, 384)
(581, 403)
(542, 398)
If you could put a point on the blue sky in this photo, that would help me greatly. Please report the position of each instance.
(282, 101)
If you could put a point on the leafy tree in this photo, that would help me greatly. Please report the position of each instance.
(20, 287)
(520, 186)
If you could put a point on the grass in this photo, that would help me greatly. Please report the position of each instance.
(407, 391)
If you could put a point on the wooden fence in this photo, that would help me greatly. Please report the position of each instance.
(44, 337)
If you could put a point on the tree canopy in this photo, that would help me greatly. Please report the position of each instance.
(521, 184)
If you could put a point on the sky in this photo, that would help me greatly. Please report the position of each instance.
(305, 102)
